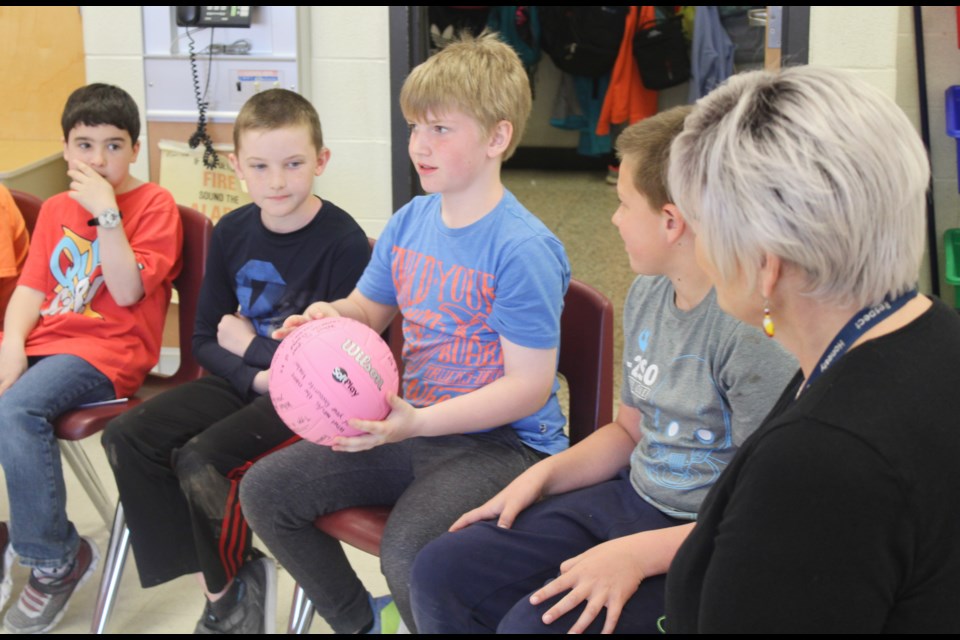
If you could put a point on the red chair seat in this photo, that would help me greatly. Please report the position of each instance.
(82, 423)
(362, 527)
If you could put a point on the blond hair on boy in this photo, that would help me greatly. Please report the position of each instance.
(480, 76)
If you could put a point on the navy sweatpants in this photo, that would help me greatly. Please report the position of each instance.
(479, 579)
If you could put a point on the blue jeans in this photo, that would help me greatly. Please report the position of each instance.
(39, 529)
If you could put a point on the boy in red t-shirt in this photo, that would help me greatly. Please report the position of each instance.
(83, 325)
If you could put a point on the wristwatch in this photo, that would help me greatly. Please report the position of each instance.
(109, 219)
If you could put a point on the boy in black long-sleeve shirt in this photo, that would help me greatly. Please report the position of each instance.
(178, 459)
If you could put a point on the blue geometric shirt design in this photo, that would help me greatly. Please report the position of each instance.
(260, 290)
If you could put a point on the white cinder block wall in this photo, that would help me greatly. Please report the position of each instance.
(350, 81)
(349, 85)
(862, 40)
(878, 44)
(113, 40)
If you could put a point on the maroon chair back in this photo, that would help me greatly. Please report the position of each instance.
(197, 229)
(29, 206)
(586, 358)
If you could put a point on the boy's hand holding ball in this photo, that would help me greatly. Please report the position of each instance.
(314, 312)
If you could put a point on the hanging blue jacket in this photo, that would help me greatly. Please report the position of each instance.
(711, 55)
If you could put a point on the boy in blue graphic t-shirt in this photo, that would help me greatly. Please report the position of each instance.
(480, 284)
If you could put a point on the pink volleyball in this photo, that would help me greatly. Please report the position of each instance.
(328, 371)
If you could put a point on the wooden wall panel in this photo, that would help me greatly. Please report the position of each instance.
(41, 49)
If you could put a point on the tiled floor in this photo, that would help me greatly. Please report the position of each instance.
(174, 607)
(576, 206)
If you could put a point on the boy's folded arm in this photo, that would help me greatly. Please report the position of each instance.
(139, 256)
(236, 334)
(221, 362)
(260, 352)
(120, 271)
(218, 299)
(208, 351)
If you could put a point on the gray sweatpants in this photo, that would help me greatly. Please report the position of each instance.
(430, 482)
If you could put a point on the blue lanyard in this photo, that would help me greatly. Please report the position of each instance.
(860, 323)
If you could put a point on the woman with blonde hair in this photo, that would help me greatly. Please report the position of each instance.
(807, 191)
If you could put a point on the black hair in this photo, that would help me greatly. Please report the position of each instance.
(99, 103)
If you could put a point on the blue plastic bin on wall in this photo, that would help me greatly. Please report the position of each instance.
(951, 237)
(953, 121)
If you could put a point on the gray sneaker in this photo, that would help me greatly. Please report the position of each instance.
(256, 609)
(43, 602)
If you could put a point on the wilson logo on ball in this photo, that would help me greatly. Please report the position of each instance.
(354, 351)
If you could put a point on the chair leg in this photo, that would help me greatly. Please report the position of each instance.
(112, 571)
(87, 475)
(301, 612)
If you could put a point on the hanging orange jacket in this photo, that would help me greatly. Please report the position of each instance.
(627, 100)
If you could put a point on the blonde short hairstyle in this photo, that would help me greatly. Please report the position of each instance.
(481, 77)
(275, 109)
(814, 166)
(647, 143)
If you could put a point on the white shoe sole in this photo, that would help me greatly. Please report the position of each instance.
(270, 601)
(6, 586)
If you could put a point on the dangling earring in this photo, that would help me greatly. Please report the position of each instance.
(767, 320)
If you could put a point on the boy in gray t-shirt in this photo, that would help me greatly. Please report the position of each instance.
(695, 383)
(702, 382)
